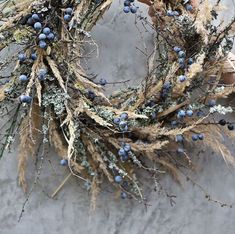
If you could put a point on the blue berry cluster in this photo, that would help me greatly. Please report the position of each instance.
(129, 6)
(45, 34)
(124, 151)
(121, 121)
(196, 137)
(182, 113)
(68, 14)
(182, 61)
(223, 122)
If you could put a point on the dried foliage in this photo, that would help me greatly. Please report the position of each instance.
(135, 129)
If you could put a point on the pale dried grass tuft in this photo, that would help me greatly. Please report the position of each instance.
(29, 137)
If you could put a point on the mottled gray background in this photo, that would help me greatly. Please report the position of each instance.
(118, 37)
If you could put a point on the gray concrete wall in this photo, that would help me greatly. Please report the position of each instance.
(69, 213)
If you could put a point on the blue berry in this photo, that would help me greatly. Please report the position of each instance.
(170, 13)
(51, 36)
(35, 17)
(127, 147)
(181, 54)
(181, 60)
(23, 78)
(33, 56)
(222, 122)
(182, 78)
(201, 136)
(123, 125)
(174, 123)
(69, 10)
(118, 179)
(42, 36)
(177, 49)
(25, 99)
(126, 9)
(67, 17)
(181, 114)
(166, 85)
(42, 44)
(180, 150)
(176, 13)
(42, 74)
(46, 30)
(122, 152)
(64, 162)
(123, 195)
(30, 21)
(200, 113)
(189, 113)
(212, 103)
(230, 127)
(37, 26)
(125, 157)
(133, 9)
(22, 57)
(127, 3)
(116, 120)
(190, 61)
(103, 82)
(123, 116)
(91, 95)
(179, 138)
(195, 137)
(189, 7)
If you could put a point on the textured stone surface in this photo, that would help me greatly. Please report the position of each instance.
(117, 38)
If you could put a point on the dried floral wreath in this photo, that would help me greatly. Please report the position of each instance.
(49, 100)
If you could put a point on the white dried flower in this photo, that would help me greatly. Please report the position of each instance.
(219, 89)
(221, 109)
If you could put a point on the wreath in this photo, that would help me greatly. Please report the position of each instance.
(49, 100)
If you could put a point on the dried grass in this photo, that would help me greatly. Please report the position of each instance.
(97, 158)
(29, 137)
(57, 140)
(56, 72)
(148, 148)
(215, 141)
(95, 189)
(97, 118)
(203, 17)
